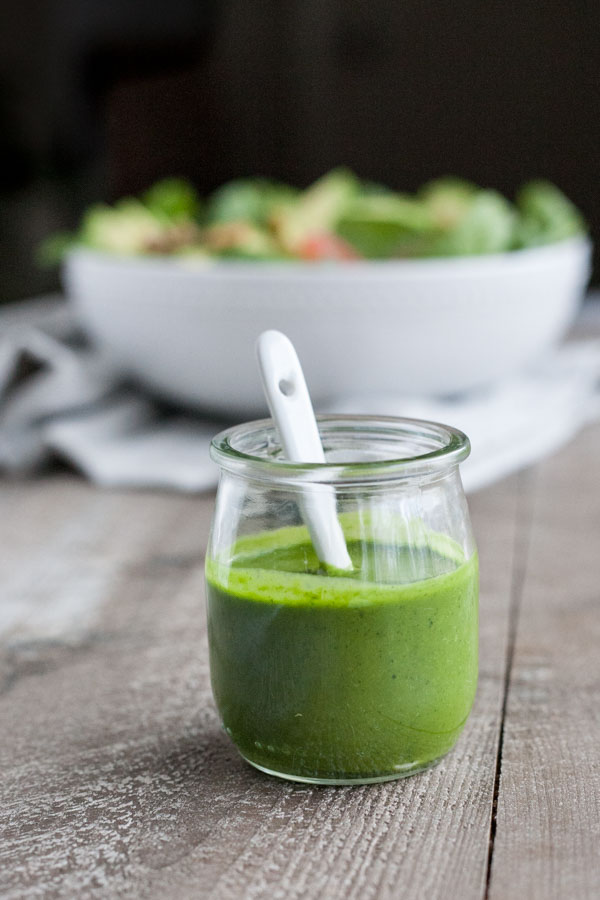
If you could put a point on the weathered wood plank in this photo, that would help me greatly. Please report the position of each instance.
(117, 780)
(62, 544)
(548, 820)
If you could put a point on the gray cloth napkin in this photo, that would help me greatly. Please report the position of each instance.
(61, 398)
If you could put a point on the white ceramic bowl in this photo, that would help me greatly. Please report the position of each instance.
(409, 326)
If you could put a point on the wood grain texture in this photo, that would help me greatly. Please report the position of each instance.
(547, 841)
(117, 779)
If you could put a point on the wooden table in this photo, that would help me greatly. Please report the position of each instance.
(118, 782)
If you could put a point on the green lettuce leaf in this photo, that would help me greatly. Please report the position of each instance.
(384, 225)
(547, 215)
(486, 225)
(247, 200)
(172, 198)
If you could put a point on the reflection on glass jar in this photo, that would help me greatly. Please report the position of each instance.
(337, 677)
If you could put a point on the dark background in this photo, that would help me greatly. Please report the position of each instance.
(101, 97)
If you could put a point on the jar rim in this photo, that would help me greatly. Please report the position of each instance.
(448, 446)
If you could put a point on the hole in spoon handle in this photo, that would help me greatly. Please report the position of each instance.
(286, 387)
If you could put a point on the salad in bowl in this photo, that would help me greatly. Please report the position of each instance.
(339, 217)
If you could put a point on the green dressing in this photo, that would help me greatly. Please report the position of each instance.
(343, 678)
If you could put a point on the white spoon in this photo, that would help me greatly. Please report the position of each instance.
(289, 401)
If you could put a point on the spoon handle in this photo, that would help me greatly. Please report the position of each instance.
(291, 408)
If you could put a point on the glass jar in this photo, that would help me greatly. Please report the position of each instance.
(332, 677)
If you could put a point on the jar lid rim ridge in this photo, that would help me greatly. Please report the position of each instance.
(441, 446)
